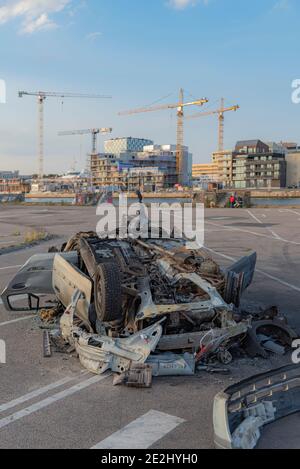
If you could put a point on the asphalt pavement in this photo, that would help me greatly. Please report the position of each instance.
(55, 403)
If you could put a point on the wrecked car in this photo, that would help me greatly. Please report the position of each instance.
(135, 301)
(151, 274)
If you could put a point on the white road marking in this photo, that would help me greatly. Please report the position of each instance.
(7, 323)
(50, 400)
(276, 279)
(229, 258)
(11, 267)
(35, 393)
(231, 228)
(142, 432)
(222, 218)
(290, 211)
(262, 235)
(255, 218)
(259, 221)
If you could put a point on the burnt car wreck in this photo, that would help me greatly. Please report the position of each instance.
(145, 307)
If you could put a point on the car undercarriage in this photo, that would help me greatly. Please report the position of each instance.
(130, 304)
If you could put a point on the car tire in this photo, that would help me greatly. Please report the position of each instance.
(108, 292)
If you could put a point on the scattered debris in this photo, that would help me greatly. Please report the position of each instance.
(169, 364)
(270, 335)
(212, 369)
(242, 410)
(138, 376)
(49, 316)
(47, 344)
(129, 304)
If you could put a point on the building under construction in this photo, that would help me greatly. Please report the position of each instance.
(14, 186)
(153, 168)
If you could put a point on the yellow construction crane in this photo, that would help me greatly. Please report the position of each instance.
(41, 97)
(220, 113)
(180, 163)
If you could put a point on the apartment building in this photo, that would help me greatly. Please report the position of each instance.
(223, 160)
(255, 166)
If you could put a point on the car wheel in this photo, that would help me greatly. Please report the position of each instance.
(108, 293)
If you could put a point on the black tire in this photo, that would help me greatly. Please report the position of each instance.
(108, 292)
(93, 316)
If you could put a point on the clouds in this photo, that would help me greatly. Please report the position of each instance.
(35, 14)
(182, 4)
(93, 36)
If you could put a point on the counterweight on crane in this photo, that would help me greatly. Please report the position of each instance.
(180, 162)
(41, 96)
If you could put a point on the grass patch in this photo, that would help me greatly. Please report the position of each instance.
(34, 236)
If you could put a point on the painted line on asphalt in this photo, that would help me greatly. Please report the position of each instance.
(51, 400)
(255, 217)
(290, 211)
(276, 279)
(13, 321)
(262, 235)
(231, 228)
(11, 267)
(142, 432)
(222, 218)
(275, 235)
(35, 393)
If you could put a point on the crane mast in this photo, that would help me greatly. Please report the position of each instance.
(41, 100)
(180, 139)
(180, 163)
(221, 127)
(221, 118)
(41, 97)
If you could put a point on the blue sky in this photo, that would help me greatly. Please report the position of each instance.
(140, 51)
